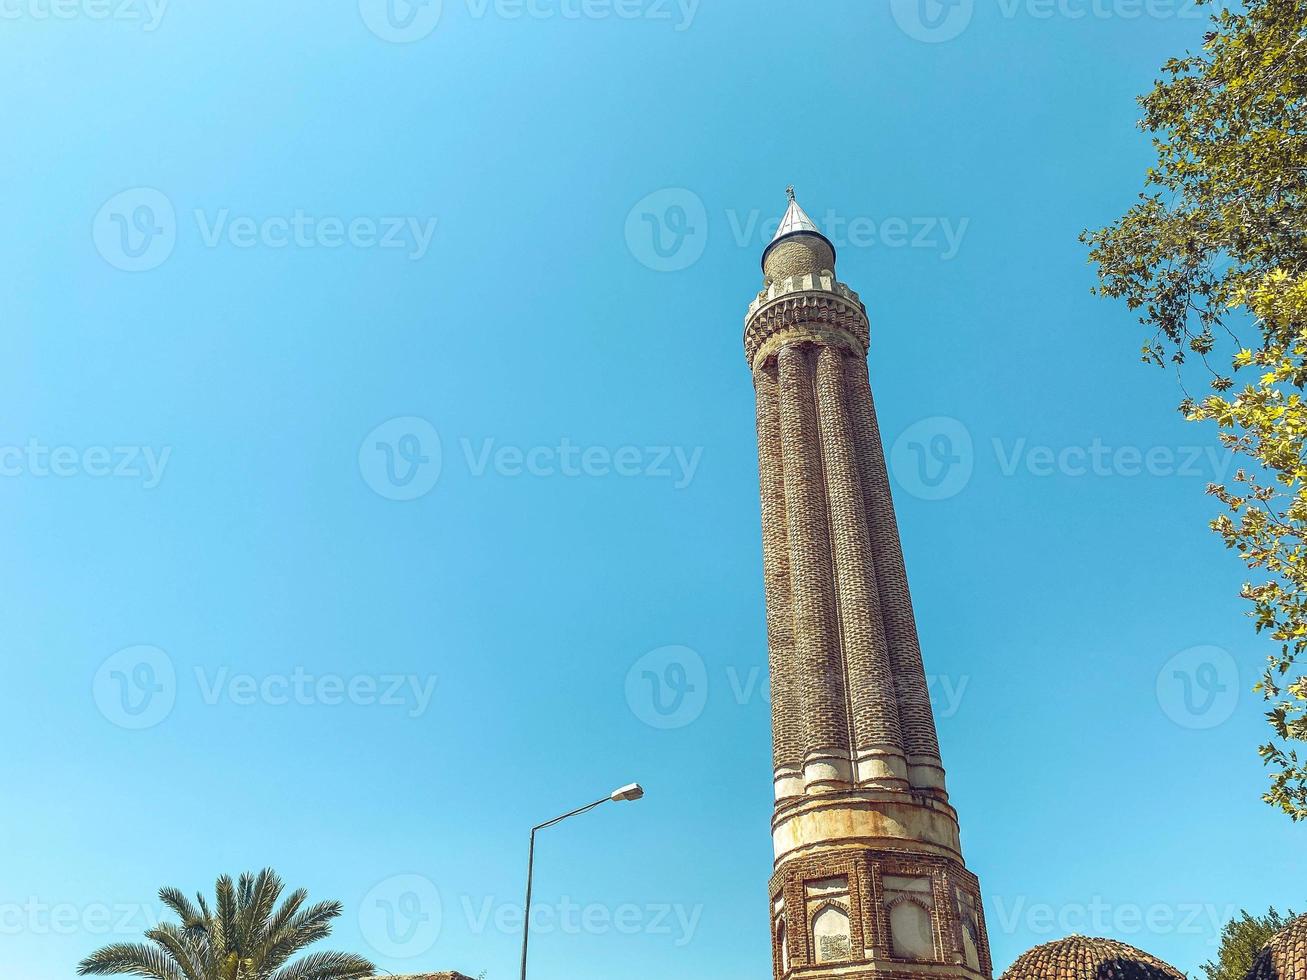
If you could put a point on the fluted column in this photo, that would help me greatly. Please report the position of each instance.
(877, 740)
(827, 761)
(916, 718)
(787, 719)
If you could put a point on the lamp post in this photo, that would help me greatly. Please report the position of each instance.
(627, 794)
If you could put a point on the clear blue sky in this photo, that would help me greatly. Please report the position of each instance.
(224, 500)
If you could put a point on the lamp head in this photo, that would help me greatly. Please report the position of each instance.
(628, 794)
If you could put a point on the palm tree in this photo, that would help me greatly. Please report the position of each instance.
(246, 937)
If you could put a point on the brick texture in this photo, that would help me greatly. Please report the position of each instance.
(1285, 956)
(820, 670)
(787, 718)
(1085, 958)
(848, 684)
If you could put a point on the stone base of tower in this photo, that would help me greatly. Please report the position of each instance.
(882, 971)
(896, 914)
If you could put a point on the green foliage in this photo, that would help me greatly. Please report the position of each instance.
(244, 936)
(1241, 940)
(1217, 244)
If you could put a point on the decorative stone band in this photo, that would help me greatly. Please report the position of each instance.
(865, 818)
(815, 308)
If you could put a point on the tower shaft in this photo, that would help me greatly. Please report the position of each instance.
(869, 877)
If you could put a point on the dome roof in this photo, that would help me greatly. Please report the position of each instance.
(1285, 956)
(1083, 958)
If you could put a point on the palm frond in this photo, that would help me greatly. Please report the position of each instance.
(303, 929)
(327, 966)
(278, 928)
(182, 947)
(258, 912)
(134, 959)
(224, 933)
(181, 906)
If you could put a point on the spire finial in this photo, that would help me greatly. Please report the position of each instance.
(789, 191)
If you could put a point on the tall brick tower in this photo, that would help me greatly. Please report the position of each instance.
(869, 878)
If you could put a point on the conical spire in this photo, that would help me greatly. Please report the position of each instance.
(795, 222)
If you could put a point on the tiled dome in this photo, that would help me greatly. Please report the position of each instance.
(1285, 956)
(1083, 958)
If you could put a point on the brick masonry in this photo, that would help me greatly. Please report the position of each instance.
(1285, 956)
(866, 840)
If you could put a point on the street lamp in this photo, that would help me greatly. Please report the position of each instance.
(627, 794)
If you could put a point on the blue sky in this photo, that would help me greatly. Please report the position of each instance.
(242, 238)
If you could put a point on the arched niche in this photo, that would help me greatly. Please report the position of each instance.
(912, 936)
(832, 937)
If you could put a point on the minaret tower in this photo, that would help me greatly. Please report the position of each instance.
(869, 878)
